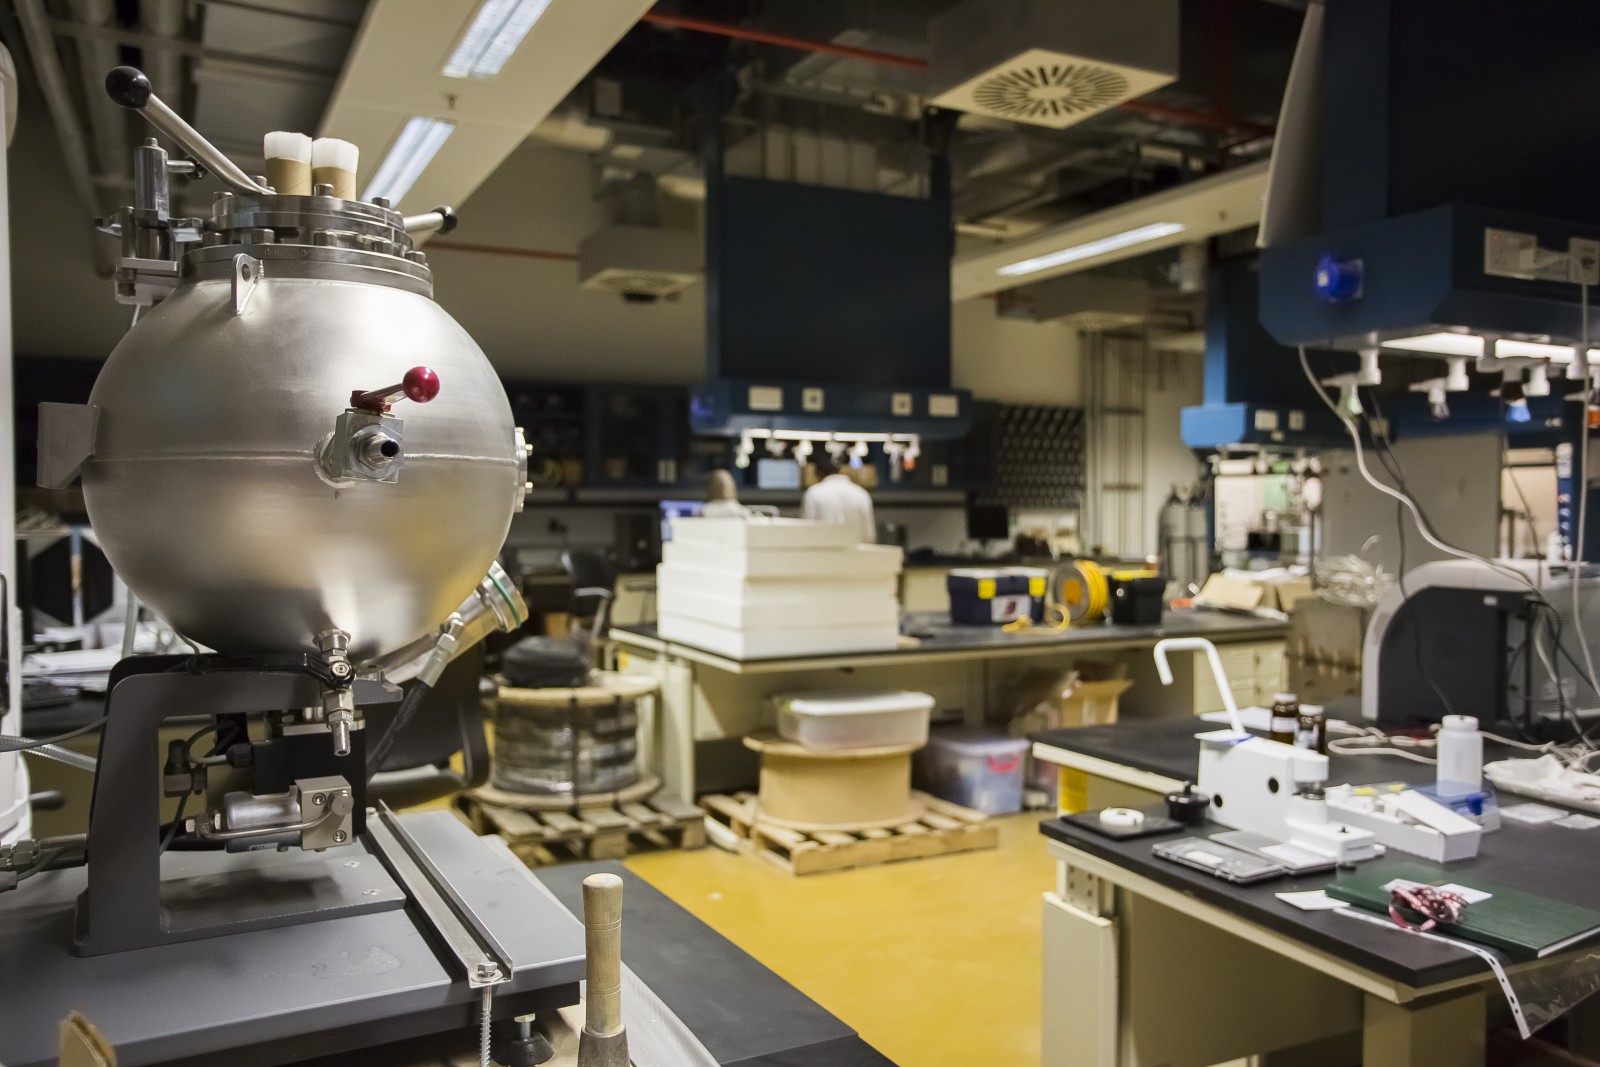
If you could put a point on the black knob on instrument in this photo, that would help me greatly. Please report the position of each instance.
(128, 87)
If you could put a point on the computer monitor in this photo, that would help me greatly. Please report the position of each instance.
(678, 509)
(777, 474)
(988, 522)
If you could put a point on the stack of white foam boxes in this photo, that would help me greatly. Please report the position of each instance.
(758, 588)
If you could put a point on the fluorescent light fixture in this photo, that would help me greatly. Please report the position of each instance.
(413, 150)
(496, 31)
(1444, 344)
(1089, 249)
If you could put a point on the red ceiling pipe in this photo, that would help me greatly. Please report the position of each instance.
(741, 33)
(723, 29)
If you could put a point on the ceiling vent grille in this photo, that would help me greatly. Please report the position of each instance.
(1050, 91)
(1051, 63)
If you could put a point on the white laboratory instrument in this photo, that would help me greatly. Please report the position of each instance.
(1407, 820)
(1266, 786)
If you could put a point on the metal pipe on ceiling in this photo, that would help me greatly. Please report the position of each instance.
(58, 99)
(802, 44)
(153, 44)
(108, 125)
(163, 20)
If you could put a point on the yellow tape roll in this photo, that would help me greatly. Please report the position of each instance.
(1085, 592)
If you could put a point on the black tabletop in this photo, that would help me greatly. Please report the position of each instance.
(935, 633)
(60, 718)
(743, 1014)
(1551, 861)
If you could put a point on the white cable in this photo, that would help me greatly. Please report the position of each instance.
(1360, 746)
(1389, 491)
(1583, 501)
(1450, 550)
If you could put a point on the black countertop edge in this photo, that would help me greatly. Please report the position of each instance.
(744, 1013)
(1280, 919)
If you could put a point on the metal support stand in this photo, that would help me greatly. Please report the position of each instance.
(126, 904)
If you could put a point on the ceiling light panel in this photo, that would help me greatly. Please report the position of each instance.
(1089, 249)
(494, 34)
(413, 150)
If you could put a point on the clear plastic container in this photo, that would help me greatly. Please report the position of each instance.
(975, 769)
(853, 718)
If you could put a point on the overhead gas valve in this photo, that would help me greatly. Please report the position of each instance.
(367, 443)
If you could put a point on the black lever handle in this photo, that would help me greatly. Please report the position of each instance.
(129, 87)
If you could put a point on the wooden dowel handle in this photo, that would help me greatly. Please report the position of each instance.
(602, 921)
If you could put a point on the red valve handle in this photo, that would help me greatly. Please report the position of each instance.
(420, 384)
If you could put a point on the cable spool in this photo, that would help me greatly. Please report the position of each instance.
(1085, 593)
(569, 742)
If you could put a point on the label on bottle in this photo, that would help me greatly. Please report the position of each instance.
(1283, 725)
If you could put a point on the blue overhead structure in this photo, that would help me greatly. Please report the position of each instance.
(827, 310)
(1255, 392)
(1433, 171)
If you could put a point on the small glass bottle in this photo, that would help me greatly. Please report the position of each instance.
(1285, 718)
(1312, 732)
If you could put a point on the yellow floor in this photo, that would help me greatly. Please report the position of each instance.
(933, 961)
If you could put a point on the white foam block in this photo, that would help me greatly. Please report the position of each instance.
(839, 564)
(674, 578)
(332, 152)
(779, 612)
(286, 144)
(763, 533)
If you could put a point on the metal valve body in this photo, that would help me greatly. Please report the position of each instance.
(216, 485)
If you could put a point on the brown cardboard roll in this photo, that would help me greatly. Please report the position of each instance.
(333, 162)
(288, 158)
(838, 789)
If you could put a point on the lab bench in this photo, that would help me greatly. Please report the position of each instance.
(1148, 962)
(372, 989)
(709, 701)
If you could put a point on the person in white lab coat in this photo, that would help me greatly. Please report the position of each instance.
(722, 497)
(837, 498)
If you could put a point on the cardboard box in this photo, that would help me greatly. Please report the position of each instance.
(1275, 590)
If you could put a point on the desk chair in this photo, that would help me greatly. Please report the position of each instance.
(593, 572)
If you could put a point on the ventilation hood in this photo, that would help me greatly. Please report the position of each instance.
(827, 310)
(1255, 393)
(1428, 181)
(1049, 62)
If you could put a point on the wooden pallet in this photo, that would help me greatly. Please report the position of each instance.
(603, 832)
(943, 829)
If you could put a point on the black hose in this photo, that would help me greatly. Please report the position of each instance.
(409, 704)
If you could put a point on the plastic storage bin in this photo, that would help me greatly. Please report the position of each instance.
(996, 596)
(853, 718)
(975, 769)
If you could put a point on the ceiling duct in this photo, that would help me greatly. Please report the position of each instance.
(635, 256)
(1051, 63)
(1089, 303)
